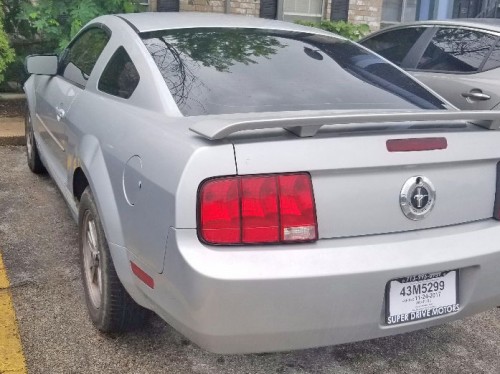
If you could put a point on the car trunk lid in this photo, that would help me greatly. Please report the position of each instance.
(358, 182)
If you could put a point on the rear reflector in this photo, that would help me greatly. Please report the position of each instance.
(496, 208)
(416, 144)
(142, 275)
(257, 209)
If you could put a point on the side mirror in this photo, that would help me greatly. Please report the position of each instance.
(42, 64)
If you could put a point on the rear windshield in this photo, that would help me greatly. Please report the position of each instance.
(229, 70)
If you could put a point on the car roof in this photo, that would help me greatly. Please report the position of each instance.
(152, 21)
(490, 24)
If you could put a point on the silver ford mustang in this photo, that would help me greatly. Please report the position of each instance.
(264, 186)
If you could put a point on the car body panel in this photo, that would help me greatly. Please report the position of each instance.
(159, 178)
(451, 86)
(340, 284)
(144, 166)
(363, 164)
(54, 98)
(145, 22)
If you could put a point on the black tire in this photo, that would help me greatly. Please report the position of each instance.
(111, 309)
(34, 162)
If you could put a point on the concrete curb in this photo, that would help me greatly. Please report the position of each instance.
(12, 96)
(11, 140)
(12, 131)
(11, 128)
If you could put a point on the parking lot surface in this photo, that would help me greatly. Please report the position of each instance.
(38, 240)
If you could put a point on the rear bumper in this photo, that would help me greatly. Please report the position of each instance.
(256, 299)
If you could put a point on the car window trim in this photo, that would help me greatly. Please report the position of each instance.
(132, 26)
(95, 25)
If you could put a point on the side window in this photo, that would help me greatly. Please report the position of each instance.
(493, 60)
(456, 50)
(394, 45)
(120, 77)
(79, 59)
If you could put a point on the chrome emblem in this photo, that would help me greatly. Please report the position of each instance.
(417, 198)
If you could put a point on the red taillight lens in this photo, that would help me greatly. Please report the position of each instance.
(220, 218)
(257, 209)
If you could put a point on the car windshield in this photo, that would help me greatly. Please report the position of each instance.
(234, 70)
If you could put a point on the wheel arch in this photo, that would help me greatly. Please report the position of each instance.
(91, 171)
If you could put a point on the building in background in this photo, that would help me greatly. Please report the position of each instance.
(375, 13)
(396, 11)
(358, 11)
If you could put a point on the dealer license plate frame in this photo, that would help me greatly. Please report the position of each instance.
(415, 279)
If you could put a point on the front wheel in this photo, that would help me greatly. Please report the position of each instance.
(110, 307)
(34, 162)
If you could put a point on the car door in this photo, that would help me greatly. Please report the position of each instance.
(56, 94)
(453, 65)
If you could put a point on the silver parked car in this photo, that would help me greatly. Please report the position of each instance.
(264, 186)
(459, 59)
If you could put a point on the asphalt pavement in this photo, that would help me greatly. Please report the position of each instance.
(38, 240)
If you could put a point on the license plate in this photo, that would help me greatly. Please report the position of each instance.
(421, 296)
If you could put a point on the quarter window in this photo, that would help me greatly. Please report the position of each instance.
(395, 45)
(79, 58)
(456, 50)
(120, 77)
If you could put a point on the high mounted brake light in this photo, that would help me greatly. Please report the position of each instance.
(259, 209)
(416, 144)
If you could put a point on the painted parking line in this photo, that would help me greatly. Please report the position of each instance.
(11, 352)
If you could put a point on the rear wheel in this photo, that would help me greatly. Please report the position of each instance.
(110, 307)
(34, 162)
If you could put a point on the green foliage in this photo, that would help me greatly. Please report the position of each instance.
(348, 30)
(6, 52)
(14, 27)
(57, 21)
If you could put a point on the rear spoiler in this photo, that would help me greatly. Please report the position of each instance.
(308, 123)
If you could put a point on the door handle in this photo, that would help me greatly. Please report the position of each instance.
(476, 95)
(60, 113)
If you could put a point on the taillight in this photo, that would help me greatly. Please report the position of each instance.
(220, 213)
(257, 209)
